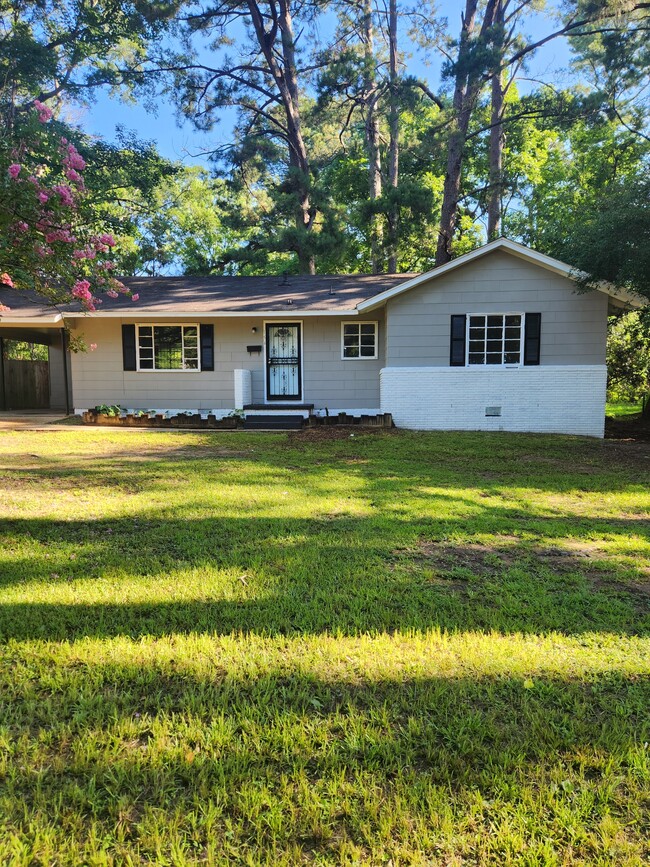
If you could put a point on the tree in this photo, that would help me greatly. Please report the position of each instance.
(487, 50)
(61, 50)
(628, 358)
(47, 243)
(266, 84)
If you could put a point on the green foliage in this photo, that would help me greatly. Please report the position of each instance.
(107, 409)
(57, 50)
(628, 357)
(22, 351)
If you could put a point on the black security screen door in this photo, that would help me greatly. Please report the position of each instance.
(283, 380)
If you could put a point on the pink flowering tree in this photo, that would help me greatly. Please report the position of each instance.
(47, 240)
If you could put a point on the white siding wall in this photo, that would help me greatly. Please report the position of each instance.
(568, 399)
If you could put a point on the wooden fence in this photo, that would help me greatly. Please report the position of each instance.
(27, 384)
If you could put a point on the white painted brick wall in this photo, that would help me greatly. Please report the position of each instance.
(546, 399)
(243, 388)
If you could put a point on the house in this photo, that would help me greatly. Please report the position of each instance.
(498, 339)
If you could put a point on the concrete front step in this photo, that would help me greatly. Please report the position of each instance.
(273, 422)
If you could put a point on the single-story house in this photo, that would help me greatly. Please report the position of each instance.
(498, 339)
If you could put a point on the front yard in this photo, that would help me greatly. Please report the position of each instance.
(391, 648)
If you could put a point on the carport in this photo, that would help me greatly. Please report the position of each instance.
(27, 384)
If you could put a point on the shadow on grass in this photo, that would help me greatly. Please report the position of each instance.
(330, 575)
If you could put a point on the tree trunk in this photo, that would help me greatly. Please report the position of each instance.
(286, 79)
(456, 143)
(372, 137)
(393, 151)
(497, 138)
(495, 194)
(467, 86)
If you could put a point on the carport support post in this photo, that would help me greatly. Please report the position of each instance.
(3, 401)
(64, 353)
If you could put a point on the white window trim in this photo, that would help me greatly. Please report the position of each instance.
(359, 323)
(509, 365)
(180, 325)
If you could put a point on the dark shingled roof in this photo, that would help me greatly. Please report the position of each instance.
(26, 305)
(251, 294)
(213, 295)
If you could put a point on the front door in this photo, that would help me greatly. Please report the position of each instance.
(283, 379)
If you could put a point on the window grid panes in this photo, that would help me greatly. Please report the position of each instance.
(494, 338)
(360, 340)
(168, 347)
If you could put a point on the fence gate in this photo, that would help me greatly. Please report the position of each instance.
(27, 384)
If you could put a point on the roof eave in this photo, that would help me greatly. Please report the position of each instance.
(134, 313)
(42, 321)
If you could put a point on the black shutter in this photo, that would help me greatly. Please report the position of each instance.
(532, 331)
(128, 347)
(457, 343)
(207, 347)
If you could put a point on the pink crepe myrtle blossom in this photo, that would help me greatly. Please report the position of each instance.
(75, 178)
(14, 170)
(42, 251)
(86, 252)
(73, 159)
(6, 280)
(108, 240)
(65, 194)
(108, 265)
(112, 293)
(44, 113)
(4, 308)
(63, 235)
(81, 290)
(21, 226)
(43, 197)
(135, 297)
(93, 347)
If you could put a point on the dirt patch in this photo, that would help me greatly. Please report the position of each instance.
(326, 433)
(636, 429)
(488, 560)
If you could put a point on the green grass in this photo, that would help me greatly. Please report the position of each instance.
(622, 409)
(392, 648)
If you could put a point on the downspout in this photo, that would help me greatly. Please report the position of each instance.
(64, 347)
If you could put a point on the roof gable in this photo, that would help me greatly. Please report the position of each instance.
(507, 246)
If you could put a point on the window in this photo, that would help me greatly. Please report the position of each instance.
(494, 338)
(168, 347)
(359, 340)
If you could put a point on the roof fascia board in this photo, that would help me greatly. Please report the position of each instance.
(48, 322)
(208, 314)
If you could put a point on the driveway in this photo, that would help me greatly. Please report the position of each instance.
(35, 419)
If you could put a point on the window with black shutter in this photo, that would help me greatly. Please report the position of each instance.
(207, 347)
(457, 342)
(532, 338)
(129, 357)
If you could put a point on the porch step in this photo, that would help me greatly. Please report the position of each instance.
(273, 422)
(294, 407)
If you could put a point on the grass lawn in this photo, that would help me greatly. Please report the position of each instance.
(392, 648)
(623, 409)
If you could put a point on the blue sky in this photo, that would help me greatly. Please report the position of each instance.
(182, 142)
